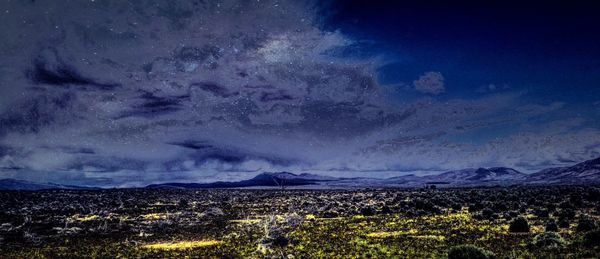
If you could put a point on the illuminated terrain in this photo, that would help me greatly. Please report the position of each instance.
(405, 223)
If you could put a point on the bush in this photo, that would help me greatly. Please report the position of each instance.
(592, 238)
(367, 211)
(567, 213)
(586, 224)
(456, 206)
(551, 226)
(519, 225)
(469, 252)
(564, 223)
(487, 213)
(549, 240)
(386, 210)
(541, 213)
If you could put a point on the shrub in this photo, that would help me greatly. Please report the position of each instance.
(563, 223)
(386, 210)
(456, 206)
(541, 213)
(592, 238)
(475, 207)
(367, 211)
(183, 203)
(330, 214)
(469, 252)
(487, 213)
(500, 207)
(549, 240)
(586, 224)
(567, 213)
(551, 226)
(520, 224)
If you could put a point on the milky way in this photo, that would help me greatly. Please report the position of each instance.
(127, 93)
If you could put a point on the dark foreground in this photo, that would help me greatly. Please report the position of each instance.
(532, 222)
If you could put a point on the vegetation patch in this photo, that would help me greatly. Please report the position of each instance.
(85, 218)
(182, 245)
(383, 234)
(509, 222)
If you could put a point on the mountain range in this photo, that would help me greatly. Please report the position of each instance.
(583, 173)
(587, 172)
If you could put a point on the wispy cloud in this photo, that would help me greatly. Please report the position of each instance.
(233, 89)
(430, 83)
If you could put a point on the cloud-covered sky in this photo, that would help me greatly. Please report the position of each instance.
(127, 93)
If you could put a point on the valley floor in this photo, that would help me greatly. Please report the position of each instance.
(561, 222)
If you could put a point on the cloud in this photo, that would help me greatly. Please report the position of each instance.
(430, 83)
(176, 91)
(62, 75)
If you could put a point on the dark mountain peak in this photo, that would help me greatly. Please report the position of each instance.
(505, 170)
(482, 170)
(288, 176)
(584, 172)
(266, 179)
(278, 174)
(276, 177)
(475, 176)
(590, 163)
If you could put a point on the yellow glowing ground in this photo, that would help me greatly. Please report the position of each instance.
(85, 218)
(384, 234)
(155, 216)
(182, 245)
(245, 221)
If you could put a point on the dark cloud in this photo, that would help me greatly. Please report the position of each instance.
(97, 163)
(215, 89)
(151, 105)
(33, 115)
(73, 150)
(202, 152)
(62, 75)
(276, 96)
(196, 145)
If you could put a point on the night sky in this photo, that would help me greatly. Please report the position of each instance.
(128, 93)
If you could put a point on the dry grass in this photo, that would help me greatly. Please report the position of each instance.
(85, 218)
(388, 234)
(182, 245)
(245, 221)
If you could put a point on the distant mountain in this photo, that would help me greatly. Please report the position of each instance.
(264, 179)
(585, 172)
(13, 184)
(479, 176)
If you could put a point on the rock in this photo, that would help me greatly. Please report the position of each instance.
(213, 212)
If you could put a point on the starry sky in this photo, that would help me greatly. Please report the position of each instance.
(129, 93)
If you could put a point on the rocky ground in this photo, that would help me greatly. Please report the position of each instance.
(558, 221)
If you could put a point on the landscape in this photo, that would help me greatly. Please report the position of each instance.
(290, 216)
(299, 129)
